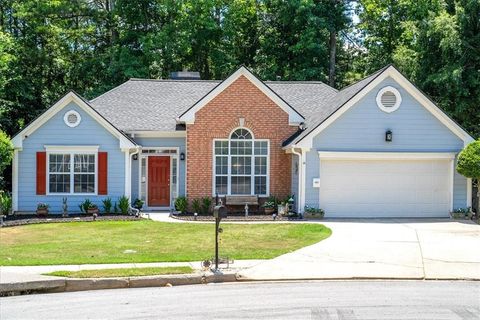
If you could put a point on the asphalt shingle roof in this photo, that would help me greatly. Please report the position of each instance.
(151, 105)
(335, 103)
(145, 105)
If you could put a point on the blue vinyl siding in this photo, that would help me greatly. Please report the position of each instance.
(159, 142)
(363, 127)
(56, 132)
(459, 191)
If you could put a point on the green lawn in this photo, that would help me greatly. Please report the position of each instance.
(121, 272)
(149, 241)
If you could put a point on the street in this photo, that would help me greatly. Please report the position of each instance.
(254, 300)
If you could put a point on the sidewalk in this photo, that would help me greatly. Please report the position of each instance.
(14, 280)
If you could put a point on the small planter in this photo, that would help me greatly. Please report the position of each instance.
(92, 211)
(42, 212)
(313, 216)
(269, 211)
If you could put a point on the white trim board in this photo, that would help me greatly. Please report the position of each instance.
(334, 155)
(307, 141)
(124, 142)
(294, 116)
(158, 134)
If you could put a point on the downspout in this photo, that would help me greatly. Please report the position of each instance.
(300, 178)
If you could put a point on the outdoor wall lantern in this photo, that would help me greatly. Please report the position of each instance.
(135, 157)
(182, 156)
(389, 136)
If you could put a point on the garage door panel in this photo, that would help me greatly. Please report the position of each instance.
(385, 188)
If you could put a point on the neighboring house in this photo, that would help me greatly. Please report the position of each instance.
(378, 148)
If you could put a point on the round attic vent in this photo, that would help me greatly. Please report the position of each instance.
(388, 99)
(72, 118)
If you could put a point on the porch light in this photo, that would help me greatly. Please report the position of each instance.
(389, 136)
(135, 157)
(182, 156)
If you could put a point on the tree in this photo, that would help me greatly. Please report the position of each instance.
(6, 153)
(468, 164)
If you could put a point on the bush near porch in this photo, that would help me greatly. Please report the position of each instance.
(149, 241)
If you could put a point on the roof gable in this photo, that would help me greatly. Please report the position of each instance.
(189, 115)
(349, 96)
(124, 141)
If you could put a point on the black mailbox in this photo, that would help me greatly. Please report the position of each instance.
(220, 212)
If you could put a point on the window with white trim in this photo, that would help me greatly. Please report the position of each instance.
(241, 164)
(71, 173)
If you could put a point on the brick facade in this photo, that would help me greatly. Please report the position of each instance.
(216, 120)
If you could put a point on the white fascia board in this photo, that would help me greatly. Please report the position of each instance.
(159, 134)
(340, 155)
(76, 148)
(410, 88)
(57, 107)
(294, 117)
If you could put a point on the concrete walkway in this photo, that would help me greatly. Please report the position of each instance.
(396, 249)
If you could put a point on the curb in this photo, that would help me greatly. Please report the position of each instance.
(71, 285)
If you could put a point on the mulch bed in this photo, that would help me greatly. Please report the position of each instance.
(20, 220)
(234, 217)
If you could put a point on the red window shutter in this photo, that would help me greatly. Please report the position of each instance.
(102, 173)
(41, 173)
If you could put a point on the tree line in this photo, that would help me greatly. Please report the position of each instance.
(48, 47)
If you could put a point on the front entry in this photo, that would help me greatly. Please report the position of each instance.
(158, 181)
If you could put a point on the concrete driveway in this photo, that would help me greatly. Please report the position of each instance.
(393, 248)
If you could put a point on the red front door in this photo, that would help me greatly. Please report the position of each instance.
(158, 181)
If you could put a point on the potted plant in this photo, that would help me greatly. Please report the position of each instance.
(42, 209)
(314, 213)
(462, 213)
(138, 204)
(92, 209)
(269, 207)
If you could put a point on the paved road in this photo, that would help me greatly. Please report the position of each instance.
(269, 300)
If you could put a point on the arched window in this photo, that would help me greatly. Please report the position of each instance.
(241, 164)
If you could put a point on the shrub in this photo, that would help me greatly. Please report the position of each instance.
(206, 204)
(107, 205)
(181, 204)
(6, 150)
(468, 165)
(115, 208)
(196, 205)
(138, 204)
(124, 204)
(85, 205)
(5, 202)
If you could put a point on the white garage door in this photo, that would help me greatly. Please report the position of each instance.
(385, 188)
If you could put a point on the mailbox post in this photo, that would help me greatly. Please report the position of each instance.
(219, 212)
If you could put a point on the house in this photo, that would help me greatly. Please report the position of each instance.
(378, 148)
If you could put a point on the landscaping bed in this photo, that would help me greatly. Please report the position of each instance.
(20, 220)
(234, 217)
(149, 241)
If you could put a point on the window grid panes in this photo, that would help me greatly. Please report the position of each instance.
(241, 165)
(71, 173)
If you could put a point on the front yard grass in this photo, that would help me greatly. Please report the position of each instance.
(149, 241)
(121, 272)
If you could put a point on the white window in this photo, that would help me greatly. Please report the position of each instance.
(72, 172)
(241, 165)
